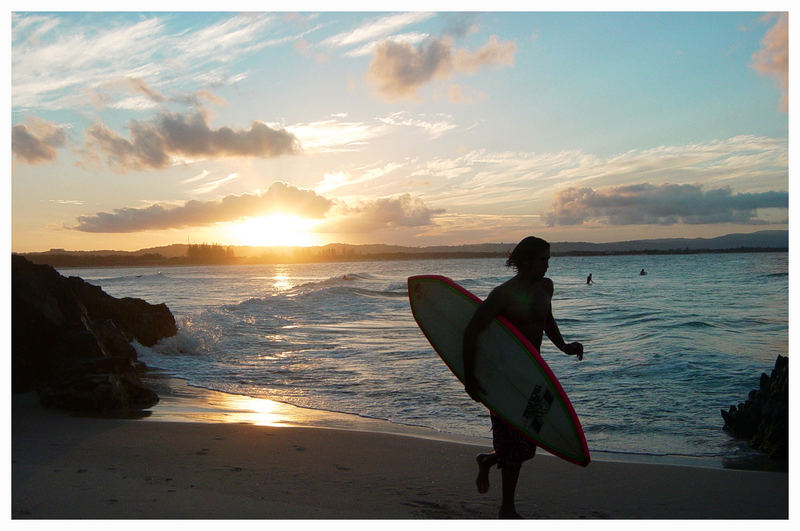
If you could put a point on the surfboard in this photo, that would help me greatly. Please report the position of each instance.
(519, 386)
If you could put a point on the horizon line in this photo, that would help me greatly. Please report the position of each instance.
(286, 247)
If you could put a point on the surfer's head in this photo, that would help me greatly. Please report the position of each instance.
(527, 252)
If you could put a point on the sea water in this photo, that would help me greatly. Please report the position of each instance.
(664, 352)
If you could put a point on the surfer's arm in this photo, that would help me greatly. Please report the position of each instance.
(487, 310)
(553, 332)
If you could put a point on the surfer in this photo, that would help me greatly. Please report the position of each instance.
(589, 279)
(642, 272)
(525, 300)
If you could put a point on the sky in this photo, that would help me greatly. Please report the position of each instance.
(132, 130)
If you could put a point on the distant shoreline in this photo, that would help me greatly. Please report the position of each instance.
(151, 260)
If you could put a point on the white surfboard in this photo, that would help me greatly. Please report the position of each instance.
(518, 384)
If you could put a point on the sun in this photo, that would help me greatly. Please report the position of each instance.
(274, 230)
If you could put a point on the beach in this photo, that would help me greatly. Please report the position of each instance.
(67, 467)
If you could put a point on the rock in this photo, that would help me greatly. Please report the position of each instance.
(137, 319)
(763, 419)
(71, 341)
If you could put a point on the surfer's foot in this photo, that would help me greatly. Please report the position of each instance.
(509, 514)
(485, 463)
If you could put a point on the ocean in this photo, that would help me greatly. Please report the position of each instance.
(664, 353)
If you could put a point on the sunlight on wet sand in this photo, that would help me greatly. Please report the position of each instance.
(180, 402)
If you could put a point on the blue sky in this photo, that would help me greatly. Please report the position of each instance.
(132, 130)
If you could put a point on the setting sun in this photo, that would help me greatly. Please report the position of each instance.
(274, 230)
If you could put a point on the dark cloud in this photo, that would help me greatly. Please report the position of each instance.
(38, 143)
(398, 69)
(153, 144)
(665, 204)
(280, 197)
(390, 212)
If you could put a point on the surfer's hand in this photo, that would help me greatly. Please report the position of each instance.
(574, 349)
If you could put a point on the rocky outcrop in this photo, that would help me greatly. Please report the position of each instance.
(71, 341)
(763, 419)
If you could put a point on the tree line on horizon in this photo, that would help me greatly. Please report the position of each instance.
(216, 254)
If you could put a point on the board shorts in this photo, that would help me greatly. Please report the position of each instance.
(510, 446)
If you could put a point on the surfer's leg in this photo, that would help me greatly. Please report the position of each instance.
(485, 463)
(510, 475)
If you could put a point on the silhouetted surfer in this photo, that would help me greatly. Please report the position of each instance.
(525, 301)
(589, 279)
(642, 272)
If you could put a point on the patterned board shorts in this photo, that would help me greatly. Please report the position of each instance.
(511, 447)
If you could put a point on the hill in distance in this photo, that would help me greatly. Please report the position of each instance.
(774, 240)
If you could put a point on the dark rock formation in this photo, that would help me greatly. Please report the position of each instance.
(70, 341)
(763, 419)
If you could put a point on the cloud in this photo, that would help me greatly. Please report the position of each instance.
(216, 183)
(37, 142)
(493, 53)
(399, 212)
(378, 214)
(773, 57)
(113, 93)
(154, 144)
(334, 135)
(49, 72)
(402, 38)
(376, 28)
(519, 183)
(199, 177)
(398, 69)
(333, 181)
(280, 197)
(139, 85)
(227, 39)
(666, 204)
(56, 59)
(459, 25)
(435, 128)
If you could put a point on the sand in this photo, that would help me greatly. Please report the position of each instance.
(73, 467)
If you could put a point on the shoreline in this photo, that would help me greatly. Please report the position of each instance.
(183, 402)
(80, 467)
(180, 401)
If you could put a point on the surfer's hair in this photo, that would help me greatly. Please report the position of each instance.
(526, 250)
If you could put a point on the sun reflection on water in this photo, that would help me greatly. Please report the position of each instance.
(281, 282)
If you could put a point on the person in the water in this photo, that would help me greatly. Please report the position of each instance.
(589, 279)
(525, 300)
